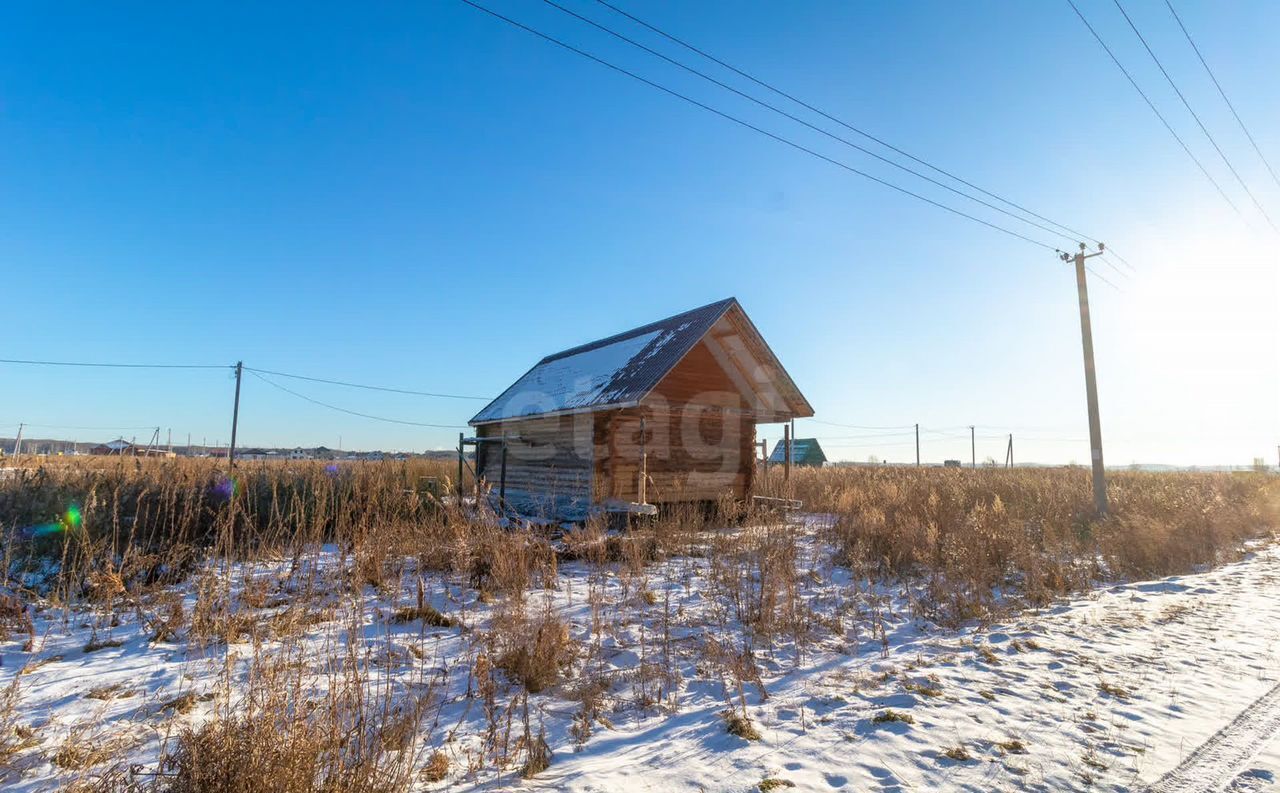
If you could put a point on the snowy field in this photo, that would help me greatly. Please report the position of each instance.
(1105, 692)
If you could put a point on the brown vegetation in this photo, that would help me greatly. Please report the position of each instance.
(965, 545)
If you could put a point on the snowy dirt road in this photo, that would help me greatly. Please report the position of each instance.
(1222, 762)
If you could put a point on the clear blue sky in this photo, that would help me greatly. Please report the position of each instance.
(417, 195)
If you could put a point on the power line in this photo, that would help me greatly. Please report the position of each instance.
(869, 445)
(1151, 105)
(361, 385)
(79, 427)
(750, 126)
(119, 365)
(1223, 93)
(804, 123)
(1194, 115)
(352, 412)
(860, 426)
(862, 437)
(841, 122)
(1101, 278)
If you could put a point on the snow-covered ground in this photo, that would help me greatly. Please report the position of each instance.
(1105, 692)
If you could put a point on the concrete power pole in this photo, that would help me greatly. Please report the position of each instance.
(235, 418)
(17, 444)
(1090, 378)
(973, 449)
(917, 445)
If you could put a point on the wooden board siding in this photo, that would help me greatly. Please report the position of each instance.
(549, 461)
(699, 444)
(697, 459)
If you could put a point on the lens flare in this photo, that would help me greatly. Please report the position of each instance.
(226, 488)
(71, 519)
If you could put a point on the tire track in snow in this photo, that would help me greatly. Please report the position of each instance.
(1220, 760)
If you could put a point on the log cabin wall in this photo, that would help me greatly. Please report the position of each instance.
(549, 462)
(698, 443)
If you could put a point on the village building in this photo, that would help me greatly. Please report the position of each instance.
(805, 452)
(662, 414)
(118, 446)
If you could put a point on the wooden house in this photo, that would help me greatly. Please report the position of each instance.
(661, 414)
(119, 446)
(805, 452)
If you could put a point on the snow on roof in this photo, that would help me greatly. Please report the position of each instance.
(617, 370)
(577, 381)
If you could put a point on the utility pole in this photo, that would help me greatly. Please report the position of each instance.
(17, 444)
(973, 449)
(461, 462)
(786, 454)
(1008, 455)
(235, 418)
(1090, 378)
(917, 444)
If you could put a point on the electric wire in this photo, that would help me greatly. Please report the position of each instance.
(1155, 110)
(354, 412)
(119, 365)
(748, 125)
(841, 122)
(364, 386)
(1223, 93)
(806, 124)
(858, 426)
(80, 427)
(1194, 114)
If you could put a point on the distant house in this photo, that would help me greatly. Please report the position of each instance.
(119, 446)
(804, 452)
(661, 414)
(301, 454)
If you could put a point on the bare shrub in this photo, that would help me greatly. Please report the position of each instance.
(534, 652)
(14, 616)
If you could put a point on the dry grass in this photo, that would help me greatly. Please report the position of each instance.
(737, 724)
(891, 716)
(966, 544)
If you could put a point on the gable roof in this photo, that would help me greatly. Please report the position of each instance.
(613, 372)
(803, 451)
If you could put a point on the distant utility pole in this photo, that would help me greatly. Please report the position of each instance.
(1008, 455)
(1090, 378)
(17, 445)
(917, 445)
(973, 449)
(786, 452)
(235, 417)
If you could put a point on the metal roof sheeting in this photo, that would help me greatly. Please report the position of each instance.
(804, 451)
(619, 370)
